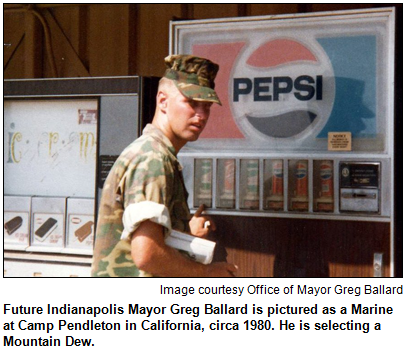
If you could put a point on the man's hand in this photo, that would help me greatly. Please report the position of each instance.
(201, 226)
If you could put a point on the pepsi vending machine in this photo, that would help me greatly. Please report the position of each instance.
(297, 165)
(61, 138)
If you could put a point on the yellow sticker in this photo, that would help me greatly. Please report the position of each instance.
(339, 141)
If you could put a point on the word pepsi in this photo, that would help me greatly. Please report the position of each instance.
(305, 87)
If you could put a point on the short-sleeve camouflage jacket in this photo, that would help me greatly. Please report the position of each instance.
(147, 170)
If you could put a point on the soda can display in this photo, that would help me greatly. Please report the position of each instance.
(300, 200)
(301, 179)
(325, 201)
(251, 197)
(326, 178)
(203, 182)
(277, 177)
(229, 176)
(227, 197)
(275, 199)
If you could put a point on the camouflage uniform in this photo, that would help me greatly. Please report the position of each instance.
(146, 181)
(146, 174)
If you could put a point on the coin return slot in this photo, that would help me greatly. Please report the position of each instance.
(365, 196)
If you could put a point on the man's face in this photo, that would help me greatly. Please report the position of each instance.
(187, 118)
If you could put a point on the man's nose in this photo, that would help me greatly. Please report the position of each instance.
(202, 110)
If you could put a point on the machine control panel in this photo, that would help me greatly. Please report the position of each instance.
(360, 186)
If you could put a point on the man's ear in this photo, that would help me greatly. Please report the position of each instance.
(162, 100)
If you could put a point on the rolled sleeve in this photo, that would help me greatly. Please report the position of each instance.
(138, 212)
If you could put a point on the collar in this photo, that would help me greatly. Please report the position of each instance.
(159, 136)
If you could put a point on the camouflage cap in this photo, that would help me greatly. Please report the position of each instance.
(193, 76)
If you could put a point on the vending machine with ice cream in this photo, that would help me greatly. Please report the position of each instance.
(61, 138)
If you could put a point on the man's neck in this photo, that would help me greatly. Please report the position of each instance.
(176, 142)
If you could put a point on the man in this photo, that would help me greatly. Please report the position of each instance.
(144, 196)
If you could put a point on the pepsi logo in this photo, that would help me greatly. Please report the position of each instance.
(301, 173)
(301, 170)
(278, 173)
(282, 88)
(326, 171)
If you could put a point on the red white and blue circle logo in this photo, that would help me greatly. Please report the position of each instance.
(282, 89)
(291, 88)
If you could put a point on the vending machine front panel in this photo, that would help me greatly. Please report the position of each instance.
(302, 148)
(61, 138)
